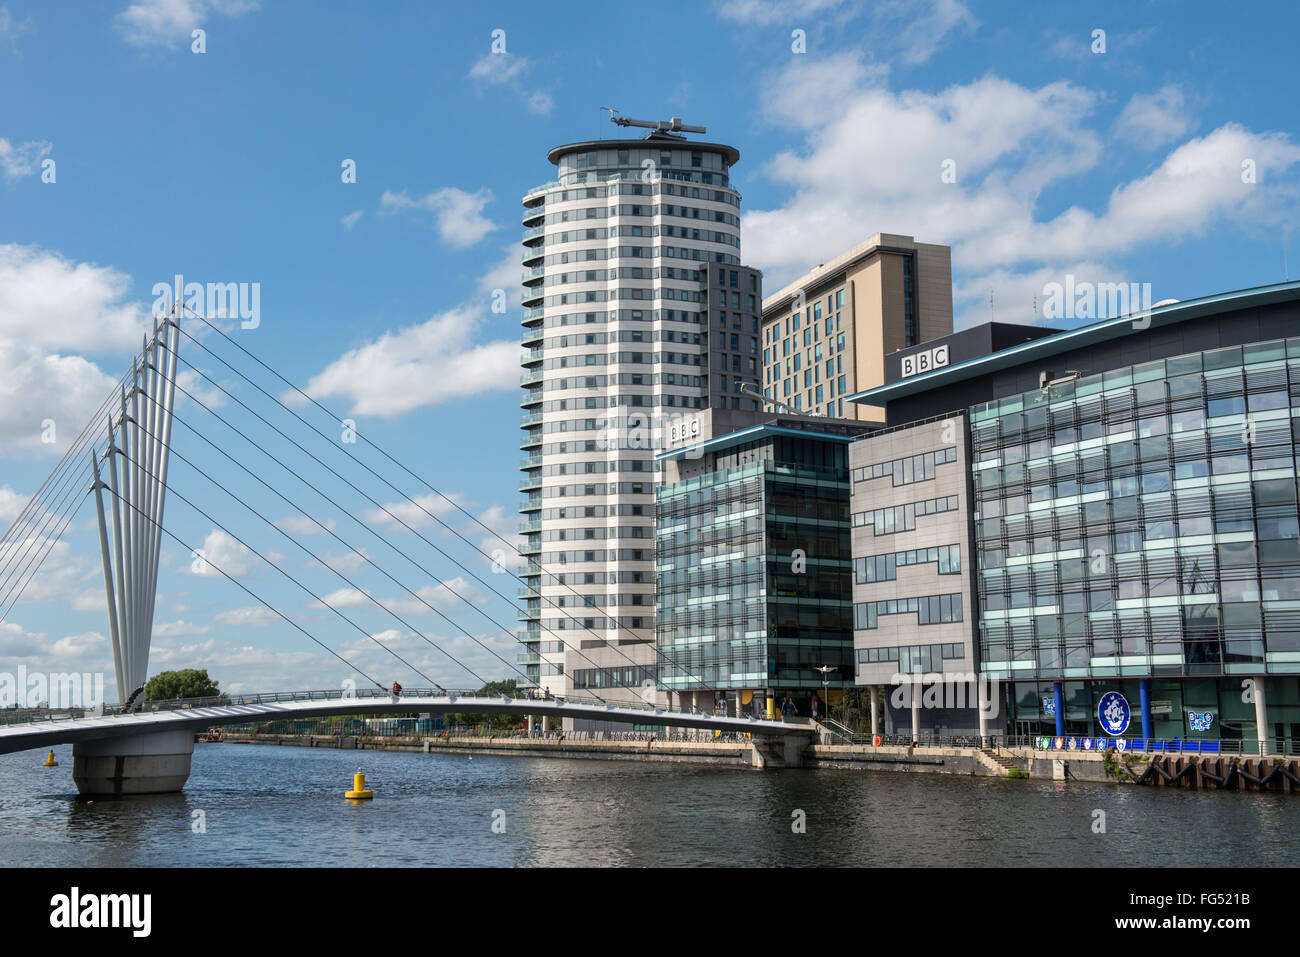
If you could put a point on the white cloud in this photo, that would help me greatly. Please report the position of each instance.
(57, 574)
(91, 599)
(222, 553)
(351, 218)
(449, 596)
(165, 22)
(343, 598)
(256, 616)
(50, 302)
(23, 159)
(920, 37)
(176, 629)
(416, 511)
(12, 29)
(302, 525)
(346, 563)
(911, 31)
(498, 68)
(1007, 143)
(192, 386)
(50, 309)
(509, 70)
(766, 13)
(420, 365)
(503, 539)
(39, 392)
(503, 275)
(457, 214)
(11, 504)
(1150, 120)
(89, 651)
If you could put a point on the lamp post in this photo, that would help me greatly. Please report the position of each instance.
(826, 694)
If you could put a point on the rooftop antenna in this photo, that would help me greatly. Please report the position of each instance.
(673, 125)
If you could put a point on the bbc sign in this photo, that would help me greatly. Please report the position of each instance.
(919, 362)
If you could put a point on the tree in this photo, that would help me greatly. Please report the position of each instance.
(497, 722)
(188, 683)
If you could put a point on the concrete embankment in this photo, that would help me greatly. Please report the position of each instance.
(1161, 770)
(731, 754)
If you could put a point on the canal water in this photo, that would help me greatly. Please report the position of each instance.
(281, 806)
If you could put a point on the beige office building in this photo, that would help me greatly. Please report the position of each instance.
(826, 335)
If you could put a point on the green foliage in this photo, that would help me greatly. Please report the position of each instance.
(496, 722)
(854, 709)
(1016, 773)
(188, 683)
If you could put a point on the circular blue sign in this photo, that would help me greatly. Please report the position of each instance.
(1113, 713)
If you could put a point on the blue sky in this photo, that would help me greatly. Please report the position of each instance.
(1122, 164)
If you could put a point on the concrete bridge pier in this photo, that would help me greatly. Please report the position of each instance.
(777, 751)
(157, 763)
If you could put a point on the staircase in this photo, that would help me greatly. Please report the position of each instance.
(995, 762)
(832, 732)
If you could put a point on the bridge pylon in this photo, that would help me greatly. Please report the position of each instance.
(139, 446)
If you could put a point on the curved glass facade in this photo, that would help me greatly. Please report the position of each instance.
(1143, 521)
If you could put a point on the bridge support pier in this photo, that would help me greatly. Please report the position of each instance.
(157, 763)
(777, 751)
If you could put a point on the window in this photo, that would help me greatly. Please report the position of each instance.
(929, 610)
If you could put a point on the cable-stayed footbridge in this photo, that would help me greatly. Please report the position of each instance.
(253, 425)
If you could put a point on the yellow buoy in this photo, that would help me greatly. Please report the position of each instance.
(49, 762)
(359, 792)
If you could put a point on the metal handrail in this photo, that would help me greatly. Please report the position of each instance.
(360, 694)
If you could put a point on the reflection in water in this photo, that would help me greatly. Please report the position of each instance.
(284, 807)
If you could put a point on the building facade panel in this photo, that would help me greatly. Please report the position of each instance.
(627, 257)
(911, 547)
(1134, 524)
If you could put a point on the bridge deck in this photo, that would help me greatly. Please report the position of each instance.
(41, 734)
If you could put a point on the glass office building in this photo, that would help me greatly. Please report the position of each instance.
(753, 568)
(1143, 522)
(1134, 523)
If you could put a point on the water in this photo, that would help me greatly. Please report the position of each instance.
(283, 806)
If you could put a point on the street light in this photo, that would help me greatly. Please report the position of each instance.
(826, 694)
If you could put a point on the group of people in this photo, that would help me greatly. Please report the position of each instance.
(537, 695)
(789, 709)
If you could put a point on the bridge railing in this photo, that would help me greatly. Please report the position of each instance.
(24, 716)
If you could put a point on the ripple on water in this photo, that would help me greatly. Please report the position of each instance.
(273, 806)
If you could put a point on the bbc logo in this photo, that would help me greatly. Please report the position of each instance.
(919, 362)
